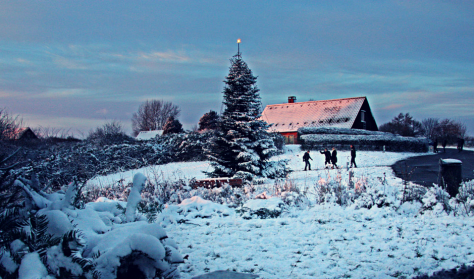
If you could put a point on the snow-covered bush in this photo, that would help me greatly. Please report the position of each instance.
(465, 198)
(333, 190)
(262, 208)
(290, 193)
(436, 201)
(192, 208)
(49, 237)
(226, 194)
(371, 197)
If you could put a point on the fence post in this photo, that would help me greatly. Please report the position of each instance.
(351, 183)
(450, 175)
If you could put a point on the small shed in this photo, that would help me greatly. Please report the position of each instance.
(25, 134)
(148, 135)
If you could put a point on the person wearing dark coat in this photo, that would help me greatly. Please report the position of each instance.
(460, 144)
(327, 156)
(353, 156)
(445, 141)
(334, 158)
(435, 146)
(306, 159)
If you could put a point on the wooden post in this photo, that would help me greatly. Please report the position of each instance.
(450, 175)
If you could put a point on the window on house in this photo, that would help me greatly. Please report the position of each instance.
(362, 115)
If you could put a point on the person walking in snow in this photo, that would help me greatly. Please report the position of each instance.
(445, 141)
(435, 146)
(460, 144)
(334, 158)
(353, 156)
(327, 156)
(306, 159)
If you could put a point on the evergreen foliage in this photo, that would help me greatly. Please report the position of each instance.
(172, 126)
(242, 146)
(209, 121)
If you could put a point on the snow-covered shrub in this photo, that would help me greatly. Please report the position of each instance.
(226, 194)
(371, 197)
(52, 238)
(192, 208)
(464, 201)
(331, 190)
(290, 193)
(263, 208)
(436, 200)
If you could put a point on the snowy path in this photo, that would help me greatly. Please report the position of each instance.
(326, 243)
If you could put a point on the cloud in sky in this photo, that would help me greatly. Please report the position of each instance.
(97, 60)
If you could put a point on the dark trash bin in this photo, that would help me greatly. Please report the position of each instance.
(450, 175)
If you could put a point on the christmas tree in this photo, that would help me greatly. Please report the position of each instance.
(242, 146)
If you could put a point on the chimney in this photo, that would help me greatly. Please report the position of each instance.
(291, 99)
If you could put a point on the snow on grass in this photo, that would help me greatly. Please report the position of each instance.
(323, 241)
(326, 242)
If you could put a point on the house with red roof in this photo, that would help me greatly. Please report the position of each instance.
(287, 118)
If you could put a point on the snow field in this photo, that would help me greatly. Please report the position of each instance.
(320, 241)
(326, 242)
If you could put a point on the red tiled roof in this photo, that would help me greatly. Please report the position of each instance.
(288, 117)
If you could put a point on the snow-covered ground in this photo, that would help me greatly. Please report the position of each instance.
(326, 242)
(319, 241)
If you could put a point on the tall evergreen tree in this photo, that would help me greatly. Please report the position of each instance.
(242, 147)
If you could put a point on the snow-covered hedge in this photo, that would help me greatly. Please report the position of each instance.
(57, 163)
(336, 131)
(341, 138)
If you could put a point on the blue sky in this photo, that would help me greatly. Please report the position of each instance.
(79, 64)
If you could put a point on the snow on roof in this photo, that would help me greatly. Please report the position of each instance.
(148, 135)
(288, 117)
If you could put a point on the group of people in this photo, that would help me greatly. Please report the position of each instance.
(445, 141)
(435, 145)
(330, 158)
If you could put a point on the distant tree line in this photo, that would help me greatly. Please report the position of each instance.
(433, 128)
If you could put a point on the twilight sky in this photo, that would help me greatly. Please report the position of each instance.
(79, 64)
